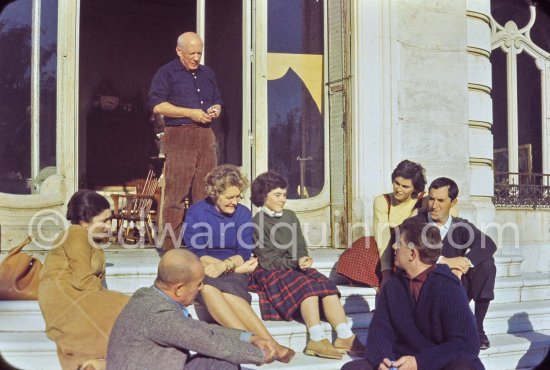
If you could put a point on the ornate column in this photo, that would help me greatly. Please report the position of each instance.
(480, 113)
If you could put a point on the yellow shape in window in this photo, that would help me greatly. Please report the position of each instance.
(308, 66)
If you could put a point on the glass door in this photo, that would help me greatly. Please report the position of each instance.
(288, 123)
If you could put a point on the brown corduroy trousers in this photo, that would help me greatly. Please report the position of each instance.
(190, 156)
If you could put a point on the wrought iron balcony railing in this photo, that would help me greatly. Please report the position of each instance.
(521, 190)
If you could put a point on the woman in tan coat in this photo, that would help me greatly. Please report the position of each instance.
(79, 312)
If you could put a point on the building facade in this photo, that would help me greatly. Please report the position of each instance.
(332, 94)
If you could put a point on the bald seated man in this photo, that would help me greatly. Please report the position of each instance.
(155, 330)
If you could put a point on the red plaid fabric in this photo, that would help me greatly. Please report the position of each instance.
(361, 262)
(282, 291)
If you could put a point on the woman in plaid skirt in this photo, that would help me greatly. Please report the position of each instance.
(284, 279)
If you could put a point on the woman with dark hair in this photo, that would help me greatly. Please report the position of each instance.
(218, 230)
(390, 210)
(79, 312)
(285, 281)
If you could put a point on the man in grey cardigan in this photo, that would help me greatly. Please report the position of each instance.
(155, 331)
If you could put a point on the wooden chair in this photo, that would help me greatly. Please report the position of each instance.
(132, 213)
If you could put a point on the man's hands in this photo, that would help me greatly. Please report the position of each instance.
(199, 116)
(404, 363)
(267, 347)
(458, 265)
(305, 262)
(196, 115)
(214, 111)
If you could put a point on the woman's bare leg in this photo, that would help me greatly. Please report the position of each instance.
(333, 310)
(310, 311)
(345, 340)
(247, 315)
(220, 309)
(234, 312)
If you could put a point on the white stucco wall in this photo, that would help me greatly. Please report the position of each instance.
(525, 232)
(414, 98)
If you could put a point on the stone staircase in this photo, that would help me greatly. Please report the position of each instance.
(518, 321)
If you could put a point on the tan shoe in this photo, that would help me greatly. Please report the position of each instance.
(351, 344)
(322, 348)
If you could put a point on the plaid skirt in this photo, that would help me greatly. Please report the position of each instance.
(282, 291)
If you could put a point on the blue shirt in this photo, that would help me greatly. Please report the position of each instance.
(208, 232)
(177, 304)
(176, 85)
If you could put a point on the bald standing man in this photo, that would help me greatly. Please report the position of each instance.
(186, 94)
(155, 331)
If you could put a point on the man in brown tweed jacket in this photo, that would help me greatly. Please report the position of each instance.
(155, 331)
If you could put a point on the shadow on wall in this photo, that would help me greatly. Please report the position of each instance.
(520, 326)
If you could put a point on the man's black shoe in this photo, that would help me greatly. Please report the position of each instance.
(484, 342)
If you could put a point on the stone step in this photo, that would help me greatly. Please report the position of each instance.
(26, 315)
(507, 352)
(146, 259)
(302, 361)
(516, 351)
(33, 350)
(524, 288)
(519, 307)
(21, 316)
(29, 350)
(501, 318)
(508, 265)
(517, 317)
(128, 271)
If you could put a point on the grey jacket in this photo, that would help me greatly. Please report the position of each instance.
(282, 249)
(152, 333)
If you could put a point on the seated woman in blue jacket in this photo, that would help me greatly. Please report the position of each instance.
(218, 230)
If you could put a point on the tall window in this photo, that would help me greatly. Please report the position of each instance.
(295, 94)
(521, 103)
(28, 61)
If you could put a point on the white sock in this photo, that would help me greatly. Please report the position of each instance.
(343, 331)
(316, 333)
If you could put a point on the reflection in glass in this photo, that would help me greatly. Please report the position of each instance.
(48, 81)
(16, 92)
(15, 100)
(295, 94)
